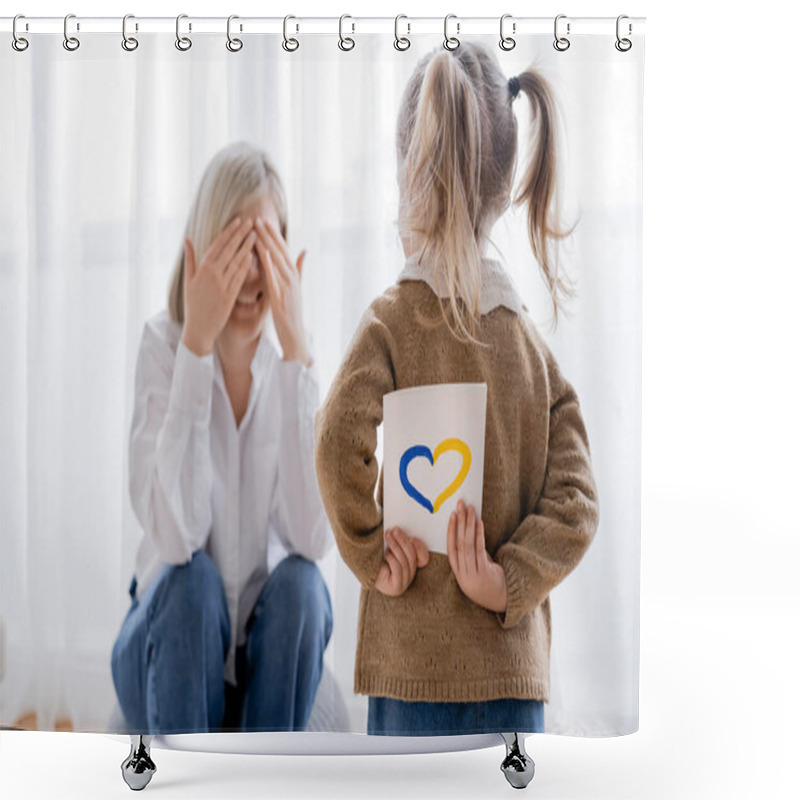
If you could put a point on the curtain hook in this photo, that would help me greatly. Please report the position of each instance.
(70, 42)
(451, 42)
(182, 42)
(129, 43)
(507, 42)
(401, 43)
(19, 43)
(561, 43)
(289, 44)
(346, 43)
(623, 45)
(234, 45)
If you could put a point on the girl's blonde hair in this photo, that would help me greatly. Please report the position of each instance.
(235, 174)
(457, 149)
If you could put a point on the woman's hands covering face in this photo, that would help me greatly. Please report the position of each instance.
(283, 285)
(210, 290)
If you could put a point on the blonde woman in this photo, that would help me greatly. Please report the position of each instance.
(229, 615)
(460, 643)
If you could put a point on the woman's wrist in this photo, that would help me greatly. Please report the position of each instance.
(196, 344)
(304, 359)
(297, 353)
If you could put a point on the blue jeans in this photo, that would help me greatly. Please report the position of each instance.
(406, 718)
(168, 659)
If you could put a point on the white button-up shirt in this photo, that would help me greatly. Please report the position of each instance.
(247, 496)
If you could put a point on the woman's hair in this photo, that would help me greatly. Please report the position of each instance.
(236, 173)
(457, 150)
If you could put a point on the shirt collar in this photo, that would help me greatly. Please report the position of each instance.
(497, 288)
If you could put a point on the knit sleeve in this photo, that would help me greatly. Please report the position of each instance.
(345, 442)
(549, 543)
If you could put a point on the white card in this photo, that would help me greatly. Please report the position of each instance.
(433, 443)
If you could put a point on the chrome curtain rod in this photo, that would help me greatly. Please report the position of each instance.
(463, 26)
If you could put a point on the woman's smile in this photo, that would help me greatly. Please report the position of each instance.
(249, 302)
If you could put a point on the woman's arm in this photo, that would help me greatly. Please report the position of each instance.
(299, 515)
(550, 542)
(170, 451)
(346, 440)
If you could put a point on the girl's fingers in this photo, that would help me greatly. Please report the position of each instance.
(188, 259)
(452, 546)
(421, 552)
(401, 556)
(481, 555)
(395, 571)
(408, 549)
(461, 538)
(469, 541)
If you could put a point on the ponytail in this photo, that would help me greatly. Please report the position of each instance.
(539, 183)
(457, 149)
(441, 203)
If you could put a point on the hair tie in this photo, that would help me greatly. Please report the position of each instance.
(513, 86)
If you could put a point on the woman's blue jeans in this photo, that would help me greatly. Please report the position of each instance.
(409, 718)
(168, 659)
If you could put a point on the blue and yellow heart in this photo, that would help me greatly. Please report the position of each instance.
(421, 451)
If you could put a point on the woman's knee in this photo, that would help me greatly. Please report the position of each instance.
(190, 590)
(299, 587)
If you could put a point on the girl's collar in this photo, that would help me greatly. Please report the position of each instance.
(497, 289)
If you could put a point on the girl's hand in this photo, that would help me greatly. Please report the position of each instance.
(480, 578)
(283, 283)
(400, 562)
(210, 290)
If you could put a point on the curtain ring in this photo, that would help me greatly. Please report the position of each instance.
(507, 42)
(234, 45)
(129, 43)
(346, 43)
(401, 43)
(19, 43)
(623, 45)
(182, 42)
(70, 42)
(289, 44)
(561, 43)
(451, 42)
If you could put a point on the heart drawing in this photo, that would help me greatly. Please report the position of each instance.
(417, 451)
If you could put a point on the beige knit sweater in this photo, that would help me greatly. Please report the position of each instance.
(540, 507)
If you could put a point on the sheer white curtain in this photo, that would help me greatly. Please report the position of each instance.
(101, 153)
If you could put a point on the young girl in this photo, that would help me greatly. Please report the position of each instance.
(459, 643)
(229, 615)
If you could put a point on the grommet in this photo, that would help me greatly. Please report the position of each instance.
(623, 45)
(289, 44)
(129, 43)
(70, 42)
(561, 43)
(182, 42)
(401, 43)
(345, 42)
(234, 45)
(450, 42)
(507, 42)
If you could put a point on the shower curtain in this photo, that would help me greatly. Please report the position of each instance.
(102, 150)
